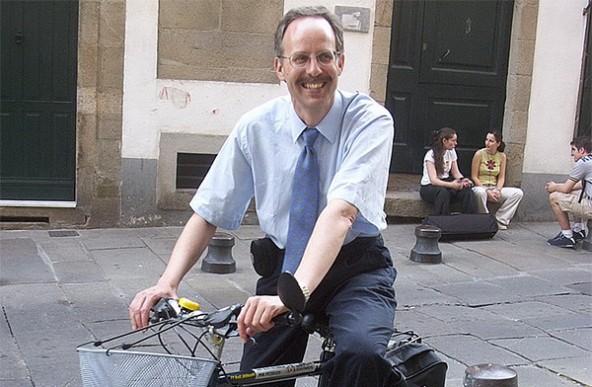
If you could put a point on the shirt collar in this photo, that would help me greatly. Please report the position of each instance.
(329, 127)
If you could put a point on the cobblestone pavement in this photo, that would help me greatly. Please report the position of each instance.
(511, 300)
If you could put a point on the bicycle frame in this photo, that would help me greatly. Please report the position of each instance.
(264, 375)
(277, 373)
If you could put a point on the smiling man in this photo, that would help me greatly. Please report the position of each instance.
(317, 163)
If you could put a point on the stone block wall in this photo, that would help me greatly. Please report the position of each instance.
(218, 40)
(100, 95)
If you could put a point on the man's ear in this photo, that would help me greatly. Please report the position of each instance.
(279, 68)
(341, 63)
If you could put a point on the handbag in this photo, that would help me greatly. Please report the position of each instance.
(418, 362)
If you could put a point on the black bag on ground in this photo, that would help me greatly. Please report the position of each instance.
(419, 363)
(458, 227)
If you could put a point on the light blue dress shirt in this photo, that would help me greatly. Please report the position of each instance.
(259, 157)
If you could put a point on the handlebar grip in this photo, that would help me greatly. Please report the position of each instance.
(288, 319)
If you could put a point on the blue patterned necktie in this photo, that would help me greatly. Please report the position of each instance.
(304, 202)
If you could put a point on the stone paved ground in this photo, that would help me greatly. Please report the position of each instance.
(511, 300)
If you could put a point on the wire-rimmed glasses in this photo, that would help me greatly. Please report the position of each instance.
(301, 59)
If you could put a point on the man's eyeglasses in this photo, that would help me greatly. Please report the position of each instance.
(301, 60)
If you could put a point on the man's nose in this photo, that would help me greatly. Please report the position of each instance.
(313, 67)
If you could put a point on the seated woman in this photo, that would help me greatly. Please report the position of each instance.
(488, 173)
(442, 183)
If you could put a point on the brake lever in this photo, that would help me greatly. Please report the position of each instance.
(223, 317)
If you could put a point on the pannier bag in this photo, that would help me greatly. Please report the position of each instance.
(458, 227)
(418, 362)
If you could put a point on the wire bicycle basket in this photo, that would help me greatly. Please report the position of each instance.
(115, 367)
(170, 352)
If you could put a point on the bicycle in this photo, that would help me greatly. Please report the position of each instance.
(179, 326)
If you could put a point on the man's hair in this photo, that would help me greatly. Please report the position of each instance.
(582, 142)
(308, 11)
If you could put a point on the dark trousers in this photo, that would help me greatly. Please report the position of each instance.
(358, 298)
(442, 198)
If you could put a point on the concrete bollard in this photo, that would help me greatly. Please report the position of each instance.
(490, 375)
(426, 248)
(219, 257)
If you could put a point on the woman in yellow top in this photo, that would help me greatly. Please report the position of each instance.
(488, 172)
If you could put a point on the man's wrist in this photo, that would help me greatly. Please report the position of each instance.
(305, 292)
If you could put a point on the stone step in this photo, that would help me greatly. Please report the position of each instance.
(402, 198)
(406, 204)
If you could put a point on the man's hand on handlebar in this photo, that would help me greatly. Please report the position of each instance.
(257, 314)
(139, 309)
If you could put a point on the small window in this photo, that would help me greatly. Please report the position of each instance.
(192, 168)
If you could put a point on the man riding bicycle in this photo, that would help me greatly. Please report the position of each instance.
(340, 262)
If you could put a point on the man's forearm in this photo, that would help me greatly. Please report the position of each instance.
(191, 244)
(325, 243)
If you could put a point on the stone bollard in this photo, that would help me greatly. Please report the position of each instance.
(490, 375)
(426, 248)
(219, 257)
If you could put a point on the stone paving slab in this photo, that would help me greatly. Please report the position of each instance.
(540, 348)
(559, 323)
(496, 328)
(535, 376)
(129, 263)
(111, 239)
(471, 350)
(23, 252)
(67, 249)
(581, 338)
(579, 303)
(577, 369)
(527, 310)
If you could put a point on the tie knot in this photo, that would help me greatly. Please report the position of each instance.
(310, 135)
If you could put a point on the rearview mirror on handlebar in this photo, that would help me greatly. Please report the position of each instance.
(290, 292)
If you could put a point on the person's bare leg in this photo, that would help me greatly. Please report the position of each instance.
(560, 215)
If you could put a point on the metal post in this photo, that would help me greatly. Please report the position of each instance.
(490, 375)
(219, 257)
(426, 248)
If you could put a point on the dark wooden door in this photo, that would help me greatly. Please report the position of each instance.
(38, 99)
(448, 67)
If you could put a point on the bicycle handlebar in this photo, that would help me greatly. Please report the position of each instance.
(289, 292)
(170, 309)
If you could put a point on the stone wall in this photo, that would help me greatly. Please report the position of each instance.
(100, 90)
(218, 40)
(381, 49)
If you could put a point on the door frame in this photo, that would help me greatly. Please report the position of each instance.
(72, 48)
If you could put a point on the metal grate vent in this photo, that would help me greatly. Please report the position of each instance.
(62, 233)
(192, 168)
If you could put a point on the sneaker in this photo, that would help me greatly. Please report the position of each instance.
(558, 236)
(579, 236)
(562, 241)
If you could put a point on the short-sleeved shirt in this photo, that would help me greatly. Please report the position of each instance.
(449, 157)
(581, 171)
(259, 157)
